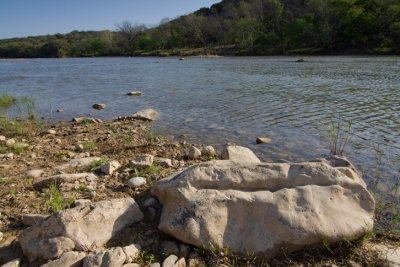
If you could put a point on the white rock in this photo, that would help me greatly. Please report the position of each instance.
(389, 254)
(89, 228)
(7, 156)
(134, 93)
(110, 167)
(77, 163)
(79, 147)
(70, 259)
(55, 247)
(131, 252)
(13, 263)
(53, 132)
(131, 265)
(209, 151)
(82, 202)
(239, 154)
(156, 264)
(170, 261)
(163, 162)
(180, 263)
(263, 208)
(34, 173)
(32, 219)
(114, 257)
(136, 182)
(1, 236)
(2, 138)
(142, 161)
(146, 115)
(10, 142)
(194, 153)
(263, 140)
(64, 178)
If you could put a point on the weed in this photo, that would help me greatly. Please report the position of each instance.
(6, 102)
(10, 127)
(19, 148)
(152, 173)
(145, 257)
(86, 121)
(151, 136)
(97, 163)
(55, 200)
(26, 107)
(338, 136)
(89, 145)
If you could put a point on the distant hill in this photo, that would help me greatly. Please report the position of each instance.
(238, 27)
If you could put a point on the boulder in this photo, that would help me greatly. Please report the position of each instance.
(32, 219)
(63, 178)
(110, 167)
(88, 227)
(239, 154)
(99, 106)
(194, 153)
(77, 163)
(264, 208)
(70, 259)
(145, 115)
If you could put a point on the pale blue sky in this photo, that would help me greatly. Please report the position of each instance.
(19, 18)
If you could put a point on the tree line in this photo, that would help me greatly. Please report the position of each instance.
(255, 27)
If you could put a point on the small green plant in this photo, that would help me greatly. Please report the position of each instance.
(89, 145)
(145, 257)
(19, 148)
(151, 136)
(339, 136)
(97, 163)
(86, 121)
(10, 127)
(6, 102)
(55, 200)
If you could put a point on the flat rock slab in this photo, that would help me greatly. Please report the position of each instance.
(264, 208)
(77, 163)
(63, 178)
(88, 227)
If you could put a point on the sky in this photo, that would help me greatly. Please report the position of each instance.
(20, 18)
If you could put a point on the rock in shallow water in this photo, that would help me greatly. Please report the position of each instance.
(264, 208)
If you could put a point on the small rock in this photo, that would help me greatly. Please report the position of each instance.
(13, 263)
(263, 140)
(60, 110)
(10, 142)
(134, 93)
(1, 236)
(163, 162)
(180, 263)
(142, 161)
(156, 264)
(7, 156)
(63, 178)
(58, 141)
(136, 182)
(114, 257)
(150, 202)
(239, 154)
(2, 138)
(131, 265)
(32, 219)
(209, 151)
(110, 167)
(51, 132)
(146, 115)
(34, 173)
(99, 106)
(79, 147)
(131, 252)
(194, 153)
(82, 202)
(170, 261)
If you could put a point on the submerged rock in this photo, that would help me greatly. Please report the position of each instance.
(135, 93)
(263, 140)
(264, 208)
(146, 115)
(99, 106)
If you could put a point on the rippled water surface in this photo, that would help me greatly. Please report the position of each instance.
(234, 99)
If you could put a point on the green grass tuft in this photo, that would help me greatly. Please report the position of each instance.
(55, 200)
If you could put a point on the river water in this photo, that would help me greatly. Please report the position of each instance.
(220, 100)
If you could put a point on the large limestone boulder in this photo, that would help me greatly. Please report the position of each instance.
(265, 208)
(83, 228)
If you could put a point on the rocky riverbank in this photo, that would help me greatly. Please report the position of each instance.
(88, 193)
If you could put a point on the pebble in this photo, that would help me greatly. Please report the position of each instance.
(79, 147)
(2, 138)
(34, 173)
(60, 110)
(51, 132)
(10, 142)
(170, 261)
(135, 93)
(136, 182)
